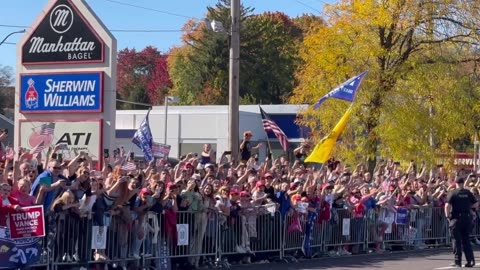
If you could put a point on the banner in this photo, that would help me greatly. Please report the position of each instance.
(160, 150)
(401, 216)
(182, 231)
(78, 136)
(99, 237)
(19, 253)
(27, 222)
(61, 92)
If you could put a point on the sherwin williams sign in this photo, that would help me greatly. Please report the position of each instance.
(63, 36)
(61, 92)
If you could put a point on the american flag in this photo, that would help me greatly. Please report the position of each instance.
(269, 125)
(129, 166)
(47, 129)
(37, 149)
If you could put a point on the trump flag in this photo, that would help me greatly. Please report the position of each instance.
(143, 139)
(345, 91)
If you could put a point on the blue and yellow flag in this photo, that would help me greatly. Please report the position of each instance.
(324, 148)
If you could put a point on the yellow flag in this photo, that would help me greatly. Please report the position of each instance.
(324, 148)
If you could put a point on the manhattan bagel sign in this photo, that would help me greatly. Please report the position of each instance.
(63, 36)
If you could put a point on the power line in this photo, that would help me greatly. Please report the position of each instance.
(150, 9)
(112, 30)
(144, 31)
(310, 7)
(13, 26)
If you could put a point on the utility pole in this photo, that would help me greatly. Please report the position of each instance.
(165, 104)
(233, 83)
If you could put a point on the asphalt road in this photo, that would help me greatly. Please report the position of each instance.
(430, 259)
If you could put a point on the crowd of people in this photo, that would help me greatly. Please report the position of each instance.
(213, 190)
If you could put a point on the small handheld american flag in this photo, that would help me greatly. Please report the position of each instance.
(37, 149)
(129, 166)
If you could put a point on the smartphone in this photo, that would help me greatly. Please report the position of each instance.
(106, 153)
(54, 156)
(116, 152)
(227, 152)
(5, 131)
(132, 156)
(396, 163)
(59, 157)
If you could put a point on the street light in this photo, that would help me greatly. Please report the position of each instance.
(16, 32)
(167, 100)
(233, 75)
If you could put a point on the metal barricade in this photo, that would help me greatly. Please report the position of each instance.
(346, 232)
(251, 233)
(209, 238)
(429, 227)
(72, 242)
(423, 227)
(195, 243)
(294, 235)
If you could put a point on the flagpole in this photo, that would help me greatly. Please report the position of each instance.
(269, 147)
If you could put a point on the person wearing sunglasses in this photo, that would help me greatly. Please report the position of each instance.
(48, 184)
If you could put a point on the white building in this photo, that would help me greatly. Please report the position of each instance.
(189, 127)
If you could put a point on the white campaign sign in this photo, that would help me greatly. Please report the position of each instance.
(346, 227)
(77, 136)
(182, 230)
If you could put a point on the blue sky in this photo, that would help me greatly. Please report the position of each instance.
(117, 16)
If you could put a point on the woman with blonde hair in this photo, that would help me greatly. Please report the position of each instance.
(111, 200)
(56, 216)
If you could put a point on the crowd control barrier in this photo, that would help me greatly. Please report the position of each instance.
(209, 238)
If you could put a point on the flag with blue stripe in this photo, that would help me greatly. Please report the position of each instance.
(345, 91)
(143, 139)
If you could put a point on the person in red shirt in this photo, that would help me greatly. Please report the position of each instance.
(8, 204)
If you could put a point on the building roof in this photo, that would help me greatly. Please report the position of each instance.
(221, 109)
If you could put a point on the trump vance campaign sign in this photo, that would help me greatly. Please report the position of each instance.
(27, 222)
(61, 92)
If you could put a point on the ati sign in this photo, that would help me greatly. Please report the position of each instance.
(61, 92)
(74, 136)
(63, 36)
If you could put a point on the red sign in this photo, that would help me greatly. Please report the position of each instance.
(27, 222)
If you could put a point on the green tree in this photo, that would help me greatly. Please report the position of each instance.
(6, 80)
(413, 51)
(268, 53)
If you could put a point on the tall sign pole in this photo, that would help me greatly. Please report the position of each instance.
(66, 82)
(234, 76)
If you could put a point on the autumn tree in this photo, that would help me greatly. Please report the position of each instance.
(6, 79)
(268, 53)
(415, 88)
(142, 76)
